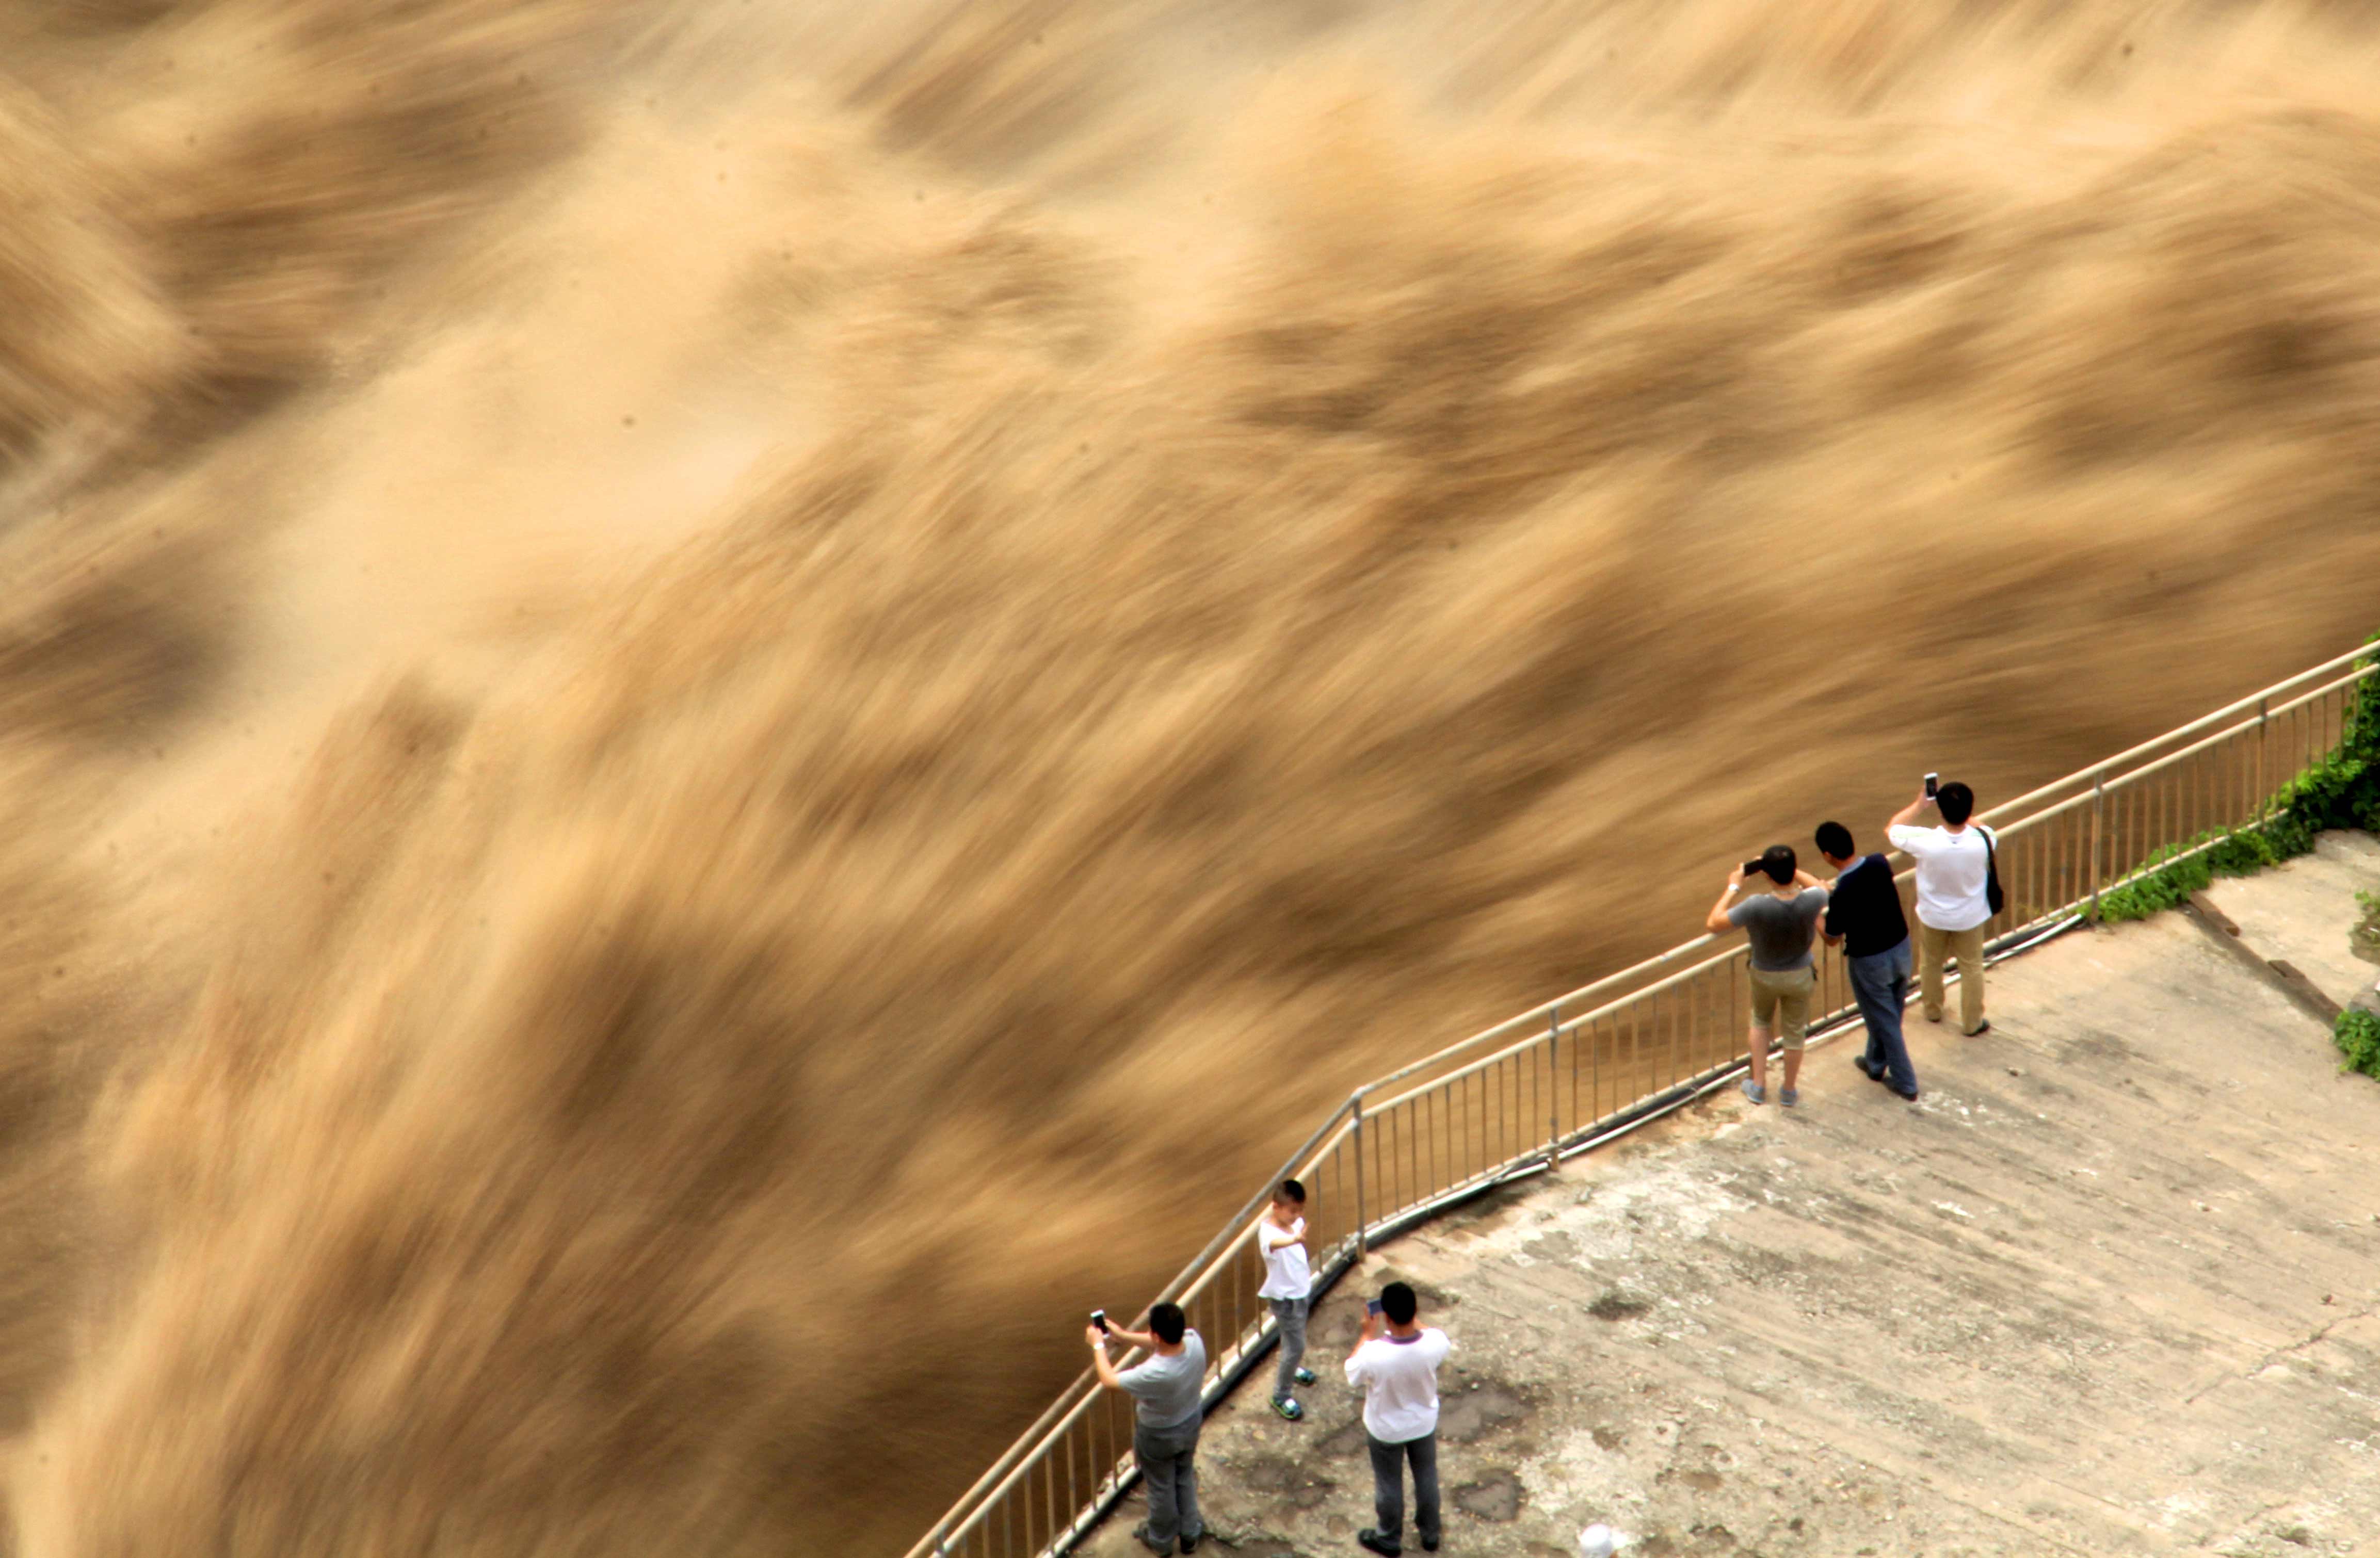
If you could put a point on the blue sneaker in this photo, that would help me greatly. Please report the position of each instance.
(1754, 1091)
(1304, 1376)
(1790, 1098)
(1288, 1408)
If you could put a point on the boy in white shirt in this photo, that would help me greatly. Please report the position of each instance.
(1288, 1284)
(1954, 910)
(1396, 1363)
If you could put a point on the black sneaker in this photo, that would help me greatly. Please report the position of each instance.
(1140, 1535)
(1869, 1068)
(1371, 1540)
(1190, 1545)
(1430, 1544)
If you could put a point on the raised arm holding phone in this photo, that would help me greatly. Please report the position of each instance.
(1168, 1409)
(1395, 1363)
(1955, 869)
(1778, 906)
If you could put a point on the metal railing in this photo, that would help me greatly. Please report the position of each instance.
(1563, 1075)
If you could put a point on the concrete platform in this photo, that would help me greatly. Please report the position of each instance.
(2112, 1286)
(2302, 911)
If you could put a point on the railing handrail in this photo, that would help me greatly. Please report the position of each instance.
(1991, 817)
(1348, 1117)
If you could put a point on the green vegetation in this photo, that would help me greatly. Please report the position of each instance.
(2357, 1034)
(2342, 791)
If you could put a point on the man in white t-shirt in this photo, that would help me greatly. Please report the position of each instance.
(1395, 1362)
(1289, 1282)
(1953, 909)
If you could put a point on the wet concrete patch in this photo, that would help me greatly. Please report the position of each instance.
(1494, 1497)
(1488, 1407)
(1286, 1480)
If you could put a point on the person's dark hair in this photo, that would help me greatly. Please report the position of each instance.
(1778, 860)
(1835, 840)
(1291, 1191)
(1958, 802)
(1397, 1302)
(1165, 1321)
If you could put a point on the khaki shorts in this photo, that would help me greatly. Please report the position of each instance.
(1781, 1001)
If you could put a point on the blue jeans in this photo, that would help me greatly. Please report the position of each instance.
(1880, 984)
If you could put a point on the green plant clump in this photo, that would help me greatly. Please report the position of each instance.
(2342, 791)
(2357, 1034)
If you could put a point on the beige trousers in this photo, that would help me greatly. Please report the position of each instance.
(1933, 947)
(1782, 1002)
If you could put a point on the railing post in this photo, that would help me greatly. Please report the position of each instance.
(1553, 1086)
(2098, 828)
(2263, 796)
(1363, 1239)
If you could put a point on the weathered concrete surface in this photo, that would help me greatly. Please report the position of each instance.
(2108, 1288)
(2304, 912)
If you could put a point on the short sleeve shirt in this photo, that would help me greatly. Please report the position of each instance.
(1287, 1274)
(1165, 1391)
(1951, 869)
(1399, 1377)
(1780, 929)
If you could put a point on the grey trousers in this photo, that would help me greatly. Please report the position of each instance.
(1388, 1487)
(1289, 1318)
(1167, 1459)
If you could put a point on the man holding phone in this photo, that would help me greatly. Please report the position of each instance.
(1954, 866)
(1395, 1364)
(1782, 923)
(1167, 1412)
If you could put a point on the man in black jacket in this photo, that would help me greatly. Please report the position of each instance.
(1865, 918)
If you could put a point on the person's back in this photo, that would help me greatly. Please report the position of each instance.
(1395, 1363)
(1166, 1389)
(1780, 930)
(1781, 924)
(1864, 915)
(1954, 864)
(1399, 1378)
(1865, 907)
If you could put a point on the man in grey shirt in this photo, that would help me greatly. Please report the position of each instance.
(1168, 1407)
(1780, 915)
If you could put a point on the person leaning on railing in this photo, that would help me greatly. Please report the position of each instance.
(1954, 864)
(1782, 924)
(1167, 1410)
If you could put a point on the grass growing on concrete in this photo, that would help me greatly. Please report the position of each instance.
(2342, 791)
(2358, 1032)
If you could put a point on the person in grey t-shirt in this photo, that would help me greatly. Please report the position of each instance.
(1780, 915)
(1168, 1407)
